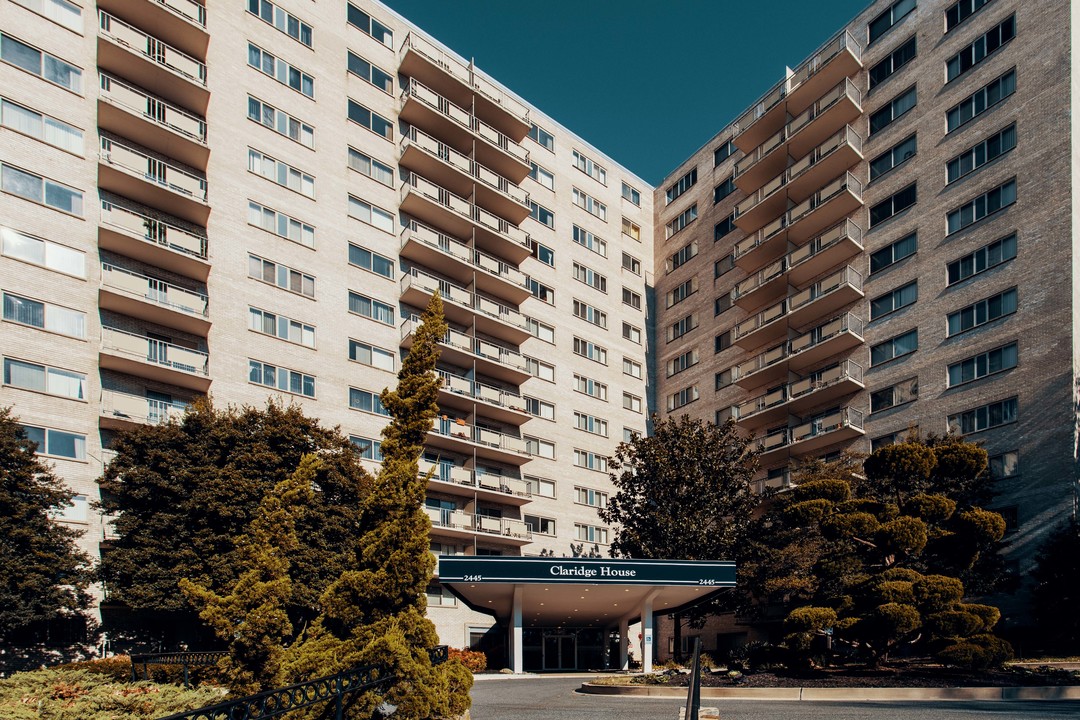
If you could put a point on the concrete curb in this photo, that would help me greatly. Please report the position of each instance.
(1062, 692)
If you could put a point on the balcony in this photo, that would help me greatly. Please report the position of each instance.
(125, 411)
(487, 357)
(837, 336)
(839, 426)
(153, 359)
(152, 181)
(452, 78)
(466, 395)
(467, 526)
(152, 241)
(473, 484)
(181, 22)
(781, 481)
(821, 299)
(158, 124)
(148, 62)
(817, 389)
(455, 435)
(464, 176)
(826, 207)
(465, 308)
(443, 209)
(456, 260)
(153, 300)
(764, 286)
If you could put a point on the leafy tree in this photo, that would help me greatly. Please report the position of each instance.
(1056, 594)
(373, 612)
(184, 492)
(43, 576)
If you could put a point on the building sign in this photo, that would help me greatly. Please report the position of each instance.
(591, 571)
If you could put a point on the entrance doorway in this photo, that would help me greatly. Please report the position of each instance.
(560, 652)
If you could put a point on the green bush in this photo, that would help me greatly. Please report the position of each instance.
(978, 652)
(474, 661)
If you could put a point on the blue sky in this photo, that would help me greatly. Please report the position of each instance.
(645, 81)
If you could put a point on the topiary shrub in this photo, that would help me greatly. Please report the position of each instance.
(474, 661)
(978, 652)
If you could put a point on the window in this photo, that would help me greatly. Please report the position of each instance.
(892, 63)
(722, 379)
(893, 110)
(45, 316)
(539, 408)
(631, 229)
(682, 256)
(371, 120)
(984, 258)
(683, 219)
(373, 74)
(987, 363)
(370, 26)
(40, 190)
(281, 224)
(282, 327)
(590, 168)
(982, 312)
(590, 460)
(681, 185)
(57, 442)
(540, 486)
(631, 298)
(59, 11)
(278, 172)
(893, 301)
(370, 355)
(979, 50)
(893, 253)
(682, 291)
(723, 265)
(722, 304)
(960, 11)
(543, 253)
(631, 402)
(1005, 465)
(631, 368)
(980, 154)
(631, 263)
(438, 595)
(588, 496)
(370, 214)
(590, 424)
(540, 329)
(290, 381)
(542, 176)
(365, 259)
(724, 227)
(680, 327)
(591, 533)
(722, 190)
(46, 253)
(631, 194)
(369, 308)
(46, 66)
(723, 152)
(590, 350)
(284, 277)
(285, 22)
(366, 401)
(540, 369)
(54, 381)
(884, 22)
(890, 206)
(894, 347)
(541, 291)
(722, 342)
(589, 241)
(986, 417)
(367, 165)
(76, 512)
(539, 448)
(682, 398)
(367, 448)
(588, 386)
(590, 277)
(900, 393)
(281, 71)
(981, 100)
(898, 155)
(542, 137)
(281, 122)
(631, 333)
(980, 207)
(41, 127)
(540, 525)
(541, 214)
(590, 204)
(628, 434)
(677, 364)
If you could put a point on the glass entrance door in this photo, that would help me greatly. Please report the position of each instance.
(560, 652)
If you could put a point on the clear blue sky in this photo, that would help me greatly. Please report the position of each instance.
(646, 81)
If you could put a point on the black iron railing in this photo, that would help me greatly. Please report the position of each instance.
(184, 659)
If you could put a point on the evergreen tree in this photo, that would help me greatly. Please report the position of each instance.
(43, 576)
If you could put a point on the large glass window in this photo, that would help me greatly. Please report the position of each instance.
(45, 316)
(982, 312)
(281, 71)
(987, 363)
(981, 153)
(369, 25)
(45, 253)
(54, 381)
(885, 21)
(42, 64)
(892, 63)
(981, 100)
(982, 206)
(284, 21)
(373, 121)
(984, 258)
(978, 51)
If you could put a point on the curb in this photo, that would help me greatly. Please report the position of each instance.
(1061, 692)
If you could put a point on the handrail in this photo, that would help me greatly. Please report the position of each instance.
(847, 275)
(121, 404)
(462, 207)
(195, 12)
(160, 172)
(473, 522)
(153, 108)
(433, 146)
(477, 346)
(153, 230)
(152, 289)
(156, 351)
(161, 53)
(462, 296)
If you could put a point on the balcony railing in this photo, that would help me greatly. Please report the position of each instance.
(156, 110)
(189, 9)
(455, 248)
(464, 477)
(847, 370)
(476, 346)
(463, 208)
(457, 428)
(846, 182)
(846, 417)
(154, 170)
(459, 295)
(139, 408)
(460, 520)
(466, 165)
(846, 323)
(157, 352)
(151, 48)
(153, 290)
(847, 276)
(467, 387)
(152, 230)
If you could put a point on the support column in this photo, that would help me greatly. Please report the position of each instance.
(516, 654)
(624, 644)
(648, 628)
